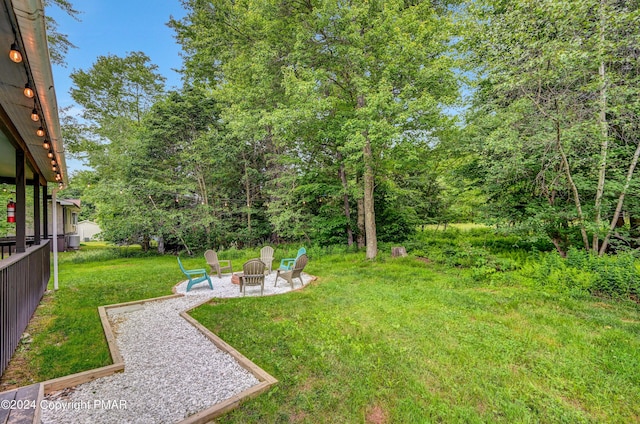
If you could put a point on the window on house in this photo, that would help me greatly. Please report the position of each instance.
(74, 218)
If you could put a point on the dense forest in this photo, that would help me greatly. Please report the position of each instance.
(352, 123)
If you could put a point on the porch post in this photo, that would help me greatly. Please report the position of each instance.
(36, 210)
(21, 209)
(54, 205)
(45, 212)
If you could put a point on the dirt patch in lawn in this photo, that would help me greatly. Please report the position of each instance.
(376, 415)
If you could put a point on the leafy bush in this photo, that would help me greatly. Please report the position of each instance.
(481, 250)
(613, 276)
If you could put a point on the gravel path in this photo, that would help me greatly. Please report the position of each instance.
(172, 371)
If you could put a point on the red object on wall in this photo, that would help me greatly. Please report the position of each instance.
(11, 211)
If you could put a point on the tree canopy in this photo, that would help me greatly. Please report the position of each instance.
(335, 122)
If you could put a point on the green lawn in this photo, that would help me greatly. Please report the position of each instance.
(66, 329)
(396, 340)
(73, 339)
(406, 342)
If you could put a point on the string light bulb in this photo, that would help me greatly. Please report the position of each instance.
(54, 168)
(53, 162)
(34, 115)
(50, 155)
(40, 132)
(46, 145)
(14, 53)
(28, 91)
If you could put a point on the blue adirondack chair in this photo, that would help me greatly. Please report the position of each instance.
(287, 264)
(195, 276)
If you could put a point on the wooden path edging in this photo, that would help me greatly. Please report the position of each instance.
(204, 416)
(72, 380)
(265, 379)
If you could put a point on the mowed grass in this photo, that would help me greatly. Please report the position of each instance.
(66, 329)
(73, 341)
(389, 341)
(402, 341)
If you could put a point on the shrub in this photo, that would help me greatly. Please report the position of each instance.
(613, 276)
(481, 250)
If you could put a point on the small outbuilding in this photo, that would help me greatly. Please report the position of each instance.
(88, 230)
(68, 211)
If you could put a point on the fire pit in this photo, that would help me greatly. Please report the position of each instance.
(237, 278)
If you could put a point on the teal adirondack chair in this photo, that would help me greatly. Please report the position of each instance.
(287, 264)
(195, 276)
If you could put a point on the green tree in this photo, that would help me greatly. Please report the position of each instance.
(115, 94)
(319, 82)
(556, 112)
(384, 70)
(235, 48)
(79, 182)
(175, 162)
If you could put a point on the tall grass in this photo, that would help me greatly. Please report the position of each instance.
(488, 254)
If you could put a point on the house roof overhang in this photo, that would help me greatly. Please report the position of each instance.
(23, 22)
(69, 202)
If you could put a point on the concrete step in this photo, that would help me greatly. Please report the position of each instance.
(21, 405)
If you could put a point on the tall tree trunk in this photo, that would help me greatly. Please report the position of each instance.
(572, 186)
(274, 170)
(369, 184)
(204, 193)
(567, 171)
(360, 238)
(247, 188)
(557, 242)
(612, 226)
(604, 132)
(369, 210)
(347, 211)
(146, 242)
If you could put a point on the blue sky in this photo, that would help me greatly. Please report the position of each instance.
(117, 27)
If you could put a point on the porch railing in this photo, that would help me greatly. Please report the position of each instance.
(23, 280)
